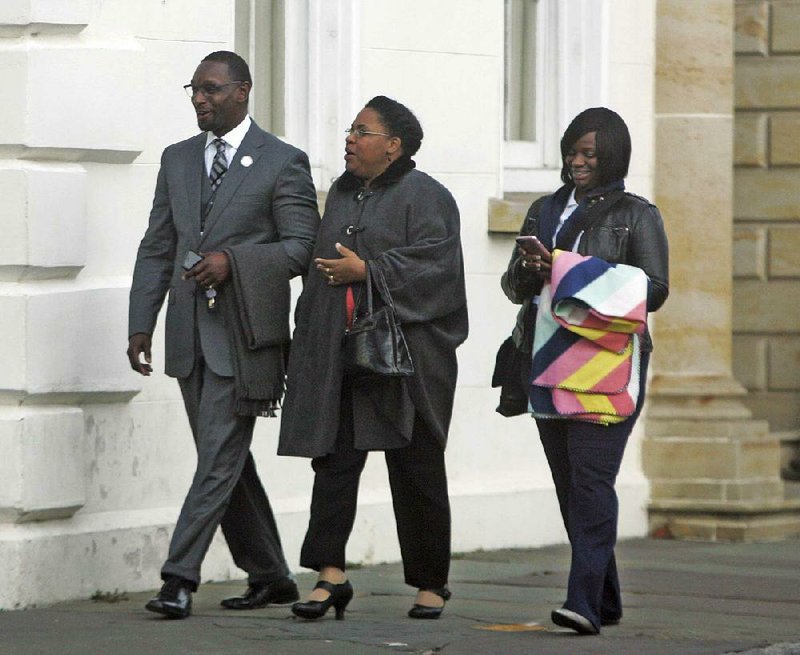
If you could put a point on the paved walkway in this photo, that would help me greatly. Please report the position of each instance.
(680, 598)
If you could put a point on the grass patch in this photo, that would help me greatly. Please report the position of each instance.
(115, 596)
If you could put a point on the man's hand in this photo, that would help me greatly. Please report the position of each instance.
(212, 271)
(350, 268)
(137, 344)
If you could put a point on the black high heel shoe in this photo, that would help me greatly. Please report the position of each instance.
(340, 596)
(424, 612)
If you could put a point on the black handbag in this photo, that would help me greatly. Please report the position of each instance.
(374, 344)
(511, 370)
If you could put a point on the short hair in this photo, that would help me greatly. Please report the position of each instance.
(400, 121)
(237, 67)
(613, 143)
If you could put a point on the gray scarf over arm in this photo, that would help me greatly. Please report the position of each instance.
(256, 306)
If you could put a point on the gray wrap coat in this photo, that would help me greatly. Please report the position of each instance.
(406, 224)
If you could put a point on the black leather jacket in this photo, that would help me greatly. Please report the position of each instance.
(627, 230)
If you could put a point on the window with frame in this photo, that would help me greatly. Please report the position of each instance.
(554, 67)
(530, 100)
(260, 29)
(302, 58)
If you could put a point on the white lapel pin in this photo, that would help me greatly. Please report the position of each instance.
(247, 161)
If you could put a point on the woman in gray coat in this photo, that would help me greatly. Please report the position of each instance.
(384, 214)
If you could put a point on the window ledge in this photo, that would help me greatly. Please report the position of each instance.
(507, 213)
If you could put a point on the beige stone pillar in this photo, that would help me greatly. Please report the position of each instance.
(714, 470)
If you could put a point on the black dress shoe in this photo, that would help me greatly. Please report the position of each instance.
(340, 595)
(174, 600)
(425, 612)
(260, 595)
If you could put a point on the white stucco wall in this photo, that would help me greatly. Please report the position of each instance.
(98, 460)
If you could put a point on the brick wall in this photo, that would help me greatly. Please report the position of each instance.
(766, 300)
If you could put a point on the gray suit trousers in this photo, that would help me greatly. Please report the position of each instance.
(226, 489)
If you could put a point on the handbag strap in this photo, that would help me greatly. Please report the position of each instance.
(375, 277)
(368, 287)
(366, 290)
(380, 284)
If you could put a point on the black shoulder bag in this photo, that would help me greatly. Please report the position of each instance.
(374, 344)
(512, 370)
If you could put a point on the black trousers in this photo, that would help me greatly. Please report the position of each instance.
(584, 460)
(418, 481)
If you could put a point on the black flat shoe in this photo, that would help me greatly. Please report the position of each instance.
(424, 612)
(574, 621)
(340, 596)
(279, 592)
(174, 600)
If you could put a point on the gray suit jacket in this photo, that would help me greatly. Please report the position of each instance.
(273, 199)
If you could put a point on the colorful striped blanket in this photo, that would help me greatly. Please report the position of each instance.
(586, 344)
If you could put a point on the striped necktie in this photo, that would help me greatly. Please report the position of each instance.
(219, 166)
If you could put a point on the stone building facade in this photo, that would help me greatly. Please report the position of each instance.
(96, 461)
(767, 215)
(712, 459)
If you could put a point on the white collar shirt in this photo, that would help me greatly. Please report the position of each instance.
(571, 206)
(233, 140)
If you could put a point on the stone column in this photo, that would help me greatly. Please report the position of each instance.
(715, 472)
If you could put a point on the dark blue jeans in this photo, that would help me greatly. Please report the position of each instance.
(584, 460)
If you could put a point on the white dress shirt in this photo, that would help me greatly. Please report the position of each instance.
(571, 206)
(232, 139)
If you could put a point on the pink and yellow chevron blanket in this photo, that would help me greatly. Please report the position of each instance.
(586, 344)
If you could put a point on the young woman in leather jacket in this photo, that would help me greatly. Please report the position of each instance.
(592, 215)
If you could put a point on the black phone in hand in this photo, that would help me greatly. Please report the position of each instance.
(191, 260)
(532, 246)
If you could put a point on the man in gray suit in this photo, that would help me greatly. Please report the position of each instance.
(245, 202)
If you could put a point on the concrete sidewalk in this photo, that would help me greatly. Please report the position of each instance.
(680, 598)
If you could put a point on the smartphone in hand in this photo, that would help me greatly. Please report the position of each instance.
(191, 260)
(532, 246)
